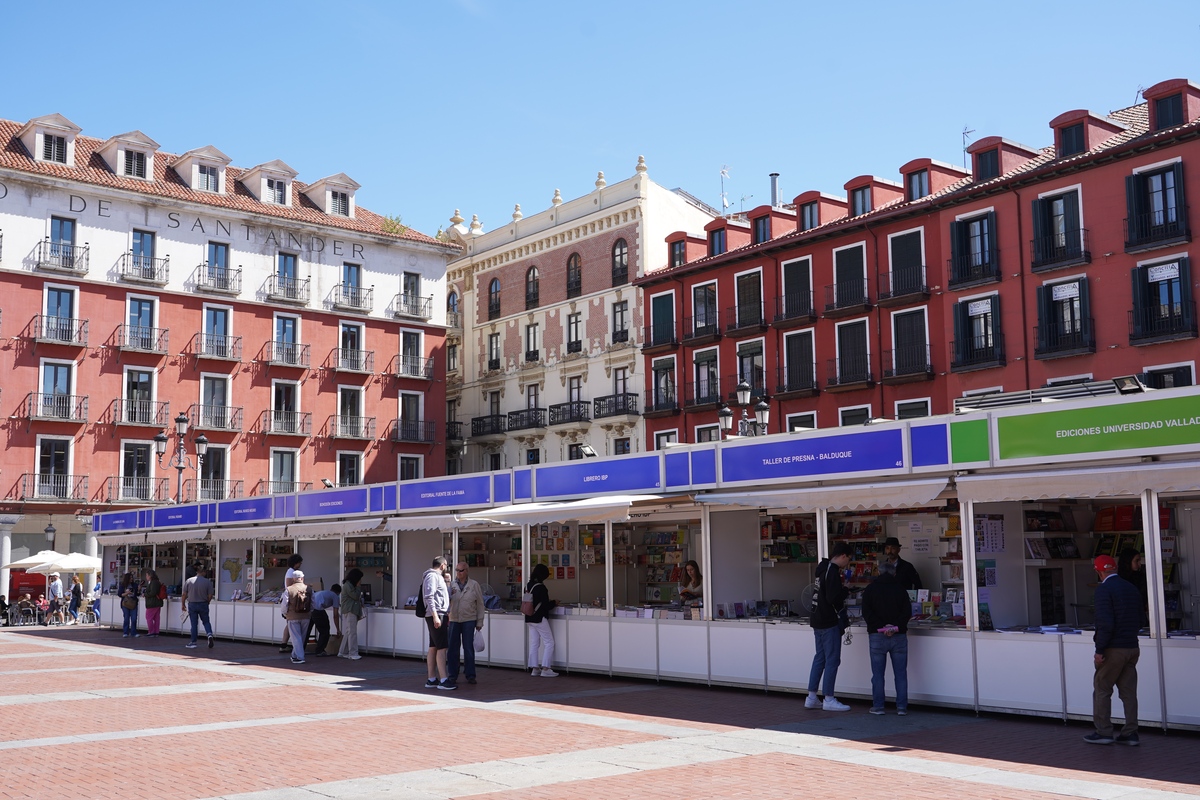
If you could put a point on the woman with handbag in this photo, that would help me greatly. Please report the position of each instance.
(352, 612)
(129, 605)
(536, 605)
(155, 594)
(76, 599)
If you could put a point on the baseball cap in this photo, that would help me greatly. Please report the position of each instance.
(53, 574)
(1104, 563)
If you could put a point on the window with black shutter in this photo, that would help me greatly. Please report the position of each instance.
(852, 365)
(662, 319)
(910, 352)
(987, 165)
(750, 366)
(762, 230)
(1156, 208)
(973, 255)
(749, 299)
(1064, 321)
(1168, 112)
(849, 276)
(908, 264)
(797, 289)
(1057, 235)
(704, 310)
(1071, 140)
(707, 387)
(798, 362)
(1162, 302)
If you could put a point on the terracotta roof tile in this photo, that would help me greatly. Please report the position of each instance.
(92, 169)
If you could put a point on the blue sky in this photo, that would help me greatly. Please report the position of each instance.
(480, 104)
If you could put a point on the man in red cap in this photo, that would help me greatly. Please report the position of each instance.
(1118, 619)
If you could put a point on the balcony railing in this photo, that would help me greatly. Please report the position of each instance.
(1161, 322)
(286, 289)
(700, 393)
(141, 412)
(35, 487)
(796, 377)
(526, 418)
(286, 423)
(971, 268)
(907, 361)
(216, 418)
(848, 295)
(493, 364)
(218, 346)
(901, 283)
(620, 277)
(346, 359)
(1157, 228)
(978, 352)
(532, 295)
(794, 306)
(849, 371)
(145, 269)
(287, 354)
(414, 367)
(412, 306)
(53, 407)
(575, 346)
(282, 487)
(219, 280)
(352, 297)
(1059, 250)
(142, 339)
(573, 411)
(621, 335)
(130, 489)
(62, 257)
(659, 335)
(702, 326)
(533, 356)
(60, 330)
(413, 430)
(454, 320)
(744, 316)
(662, 398)
(1065, 338)
(351, 426)
(454, 431)
(211, 489)
(615, 405)
(757, 384)
(490, 425)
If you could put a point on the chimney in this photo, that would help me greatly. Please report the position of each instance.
(774, 190)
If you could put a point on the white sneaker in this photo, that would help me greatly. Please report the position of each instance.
(832, 704)
(535, 672)
(812, 701)
(549, 673)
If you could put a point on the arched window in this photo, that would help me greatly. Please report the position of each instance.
(452, 303)
(620, 263)
(494, 299)
(574, 276)
(531, 288)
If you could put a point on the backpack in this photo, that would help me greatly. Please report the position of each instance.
(420, 604)
(162, 591)
(300, 602)
(527, 603)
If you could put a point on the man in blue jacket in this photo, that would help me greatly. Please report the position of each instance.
(1118, 619)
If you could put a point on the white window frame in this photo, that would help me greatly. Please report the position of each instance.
(920, 230)
(711, 426)
(737, 359)
(229, 333)
(420, 404)
(228, 388)
(737, 304)
(148, 162)
(286, 315)
(131, 296)
(928, 401)
(295, 451)
(892, 325)
(843, 409)
(337, 465)
(362, 333)
(837, 339)
(703, 351)
(330, 198)
(268, 193)
(812, 347)
(1068, 378)
(983, 391)
(77, 295)
(359, 390)
(220, 177)
(716, 298)
(783, 284)
(420, 464)
(1156, 166)
(37, 450)
(658, 445)
(613, 449)
(978, 212)
(674, 308)
(275, 382)
(40, 146)
(127, 368)
(787, 421)
(833, 256)
(65, 362)
(225, 448)
(1176, 365)
(121, 463)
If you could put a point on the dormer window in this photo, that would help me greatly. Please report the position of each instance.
(1168, 111)
(207, 178)
(762, 230)
(678, 253)
(716, 242)
(339, 203)
(1071, 140)
(135, 164)
(860, 201)
(54, 148)
(918, 184)
(810, 216)
(276, 191)
(987, 165)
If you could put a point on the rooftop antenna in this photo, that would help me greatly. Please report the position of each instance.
(966, 133)
(742, 203)
(1138, 94)
(724, 198)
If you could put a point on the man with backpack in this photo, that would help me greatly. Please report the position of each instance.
(297, 612)
(435, 596)
(829, 621)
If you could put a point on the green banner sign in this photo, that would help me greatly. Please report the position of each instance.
(1139, 425)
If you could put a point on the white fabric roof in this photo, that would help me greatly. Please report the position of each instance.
(592, 510)
(261, 532)
(37, 559)
(72, 562)
(329, 530)
(122, 538)
(900, 494)
(181, 535)
(1122, 481)
(426, 522)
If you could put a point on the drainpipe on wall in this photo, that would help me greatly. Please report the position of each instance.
(879, 321)
(1021, 276)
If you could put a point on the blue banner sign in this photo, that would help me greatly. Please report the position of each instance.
(383, 498)
(254, 509)
(806, 457)
(174, 516)
(588, 477)
(522, 488)
(446, 493)
(117, 521)
(332, 503)
(930, 445)
(704, 467)
(501, 487)
(678, 474)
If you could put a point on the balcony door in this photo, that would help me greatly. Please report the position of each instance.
(214, 400)
(852, 352)
(662, 316)
(410, 416)
(135, 472)
(798, 358)
(911, 352)
(141, 323)
(142, 254)
(216, 330)
(285, 339)
(410, 353)
(350, 411)
(218, 265)
(797, 289)
(60, 313)
(56, 390)
(749, 299)
(212, 475)
(139, 396)
(283, 408)
(283, 471)
(62, 242)
(54, 457)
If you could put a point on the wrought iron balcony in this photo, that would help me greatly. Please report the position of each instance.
(413, 430)
(907, 363)
(621, 335)
(533, 356)
(217, 346)
(660, 336)
(62, 257)
(849, 373)
(128, 489)
(491, 425)
(704, 327)
(794, 308)
(757, 384)
(141, 412)
(1061, 338)
(615, 405)
(417, 367)
(744, 317)
(51, 407)
(37, 487)
(493, 364)
(846, 297)
(702, 393)
(286, 289)
(1160, 322)
(145, 269)
(60, 330)
(282, 487)
(661, 400)
(142, 339)
(211, 489)
(287, 354)
(903, 285)
(218, 280)
(286, 423)
(978, 352)
(346, 359)
(575, 346)
(796, 377)
(1157, 229)
(1066, 249)
(350, 426)
(216, 418)
(412, 306)
(969, 269)
(532, 295)
(351, 297)
(575, 411)
(454, 320)
(526, 418)
(454, 431)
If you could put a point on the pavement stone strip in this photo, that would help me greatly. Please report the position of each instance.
(86, 714)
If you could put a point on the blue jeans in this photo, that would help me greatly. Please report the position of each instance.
(827, 660)
(462, 635)
(897, 645)
(128, 621)
(199, 613)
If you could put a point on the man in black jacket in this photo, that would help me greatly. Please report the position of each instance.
(826, 620)
(887, 609)
(906, 573)
(1118, 619)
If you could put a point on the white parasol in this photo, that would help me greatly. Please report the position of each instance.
(72, 562)
(35, 560)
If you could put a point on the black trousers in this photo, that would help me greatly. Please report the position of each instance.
(320, 619)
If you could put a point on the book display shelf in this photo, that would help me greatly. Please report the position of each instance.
(789, 540)
(273, 556)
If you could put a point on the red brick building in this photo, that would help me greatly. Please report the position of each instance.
(1044, 265)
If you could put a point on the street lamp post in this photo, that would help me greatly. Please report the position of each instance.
(180, 460)
(746, 426)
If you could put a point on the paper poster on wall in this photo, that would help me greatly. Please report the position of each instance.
(914, 527)
(231, 569)
(989, 533)
(986, 573)
(920, 544)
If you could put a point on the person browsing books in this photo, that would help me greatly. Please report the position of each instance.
(906, 573)
(691, 588)
(827, 620)
(1118, 619)
(887, 610)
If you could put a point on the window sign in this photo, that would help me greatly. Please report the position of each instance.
(1065, 291)
(1163, 272)
(979, 308)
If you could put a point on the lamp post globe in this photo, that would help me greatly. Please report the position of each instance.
(725, 419)
(181, 424)
(762, 414)
(743, 393)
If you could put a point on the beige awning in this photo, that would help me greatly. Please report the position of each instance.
(182, 535)
(427, 522)
(1120, 481)
(122, 538)
(261, 532)
(614, 508)
(332, 530)
(864, 497)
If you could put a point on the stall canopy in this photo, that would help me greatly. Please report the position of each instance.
(1123, 481)
(901, 494)
(72, 562)
(122, 538)
(592, 510)
(185, 535)
(35, 560)
(262, 532)
(428, 522)
(329, 530)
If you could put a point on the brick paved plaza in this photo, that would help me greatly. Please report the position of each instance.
(87, 714)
